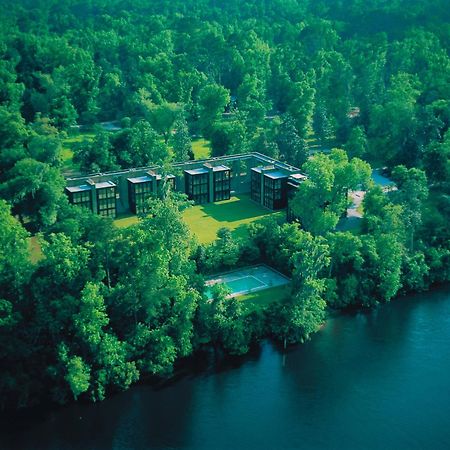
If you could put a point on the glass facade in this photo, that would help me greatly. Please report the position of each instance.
(106, 201)
(222, 185)
(138, 194)
(81, 198)
(197, 187)
(255, 192)
(274, 193)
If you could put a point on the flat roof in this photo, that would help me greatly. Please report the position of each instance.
(298, 176)
(220, 168)
(143, 179)
(260, 169)
(83, 187)
(197, 171)
(104, 184)
(275, 175)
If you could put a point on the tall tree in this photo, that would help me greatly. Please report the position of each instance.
(181, 141)
(211, 104)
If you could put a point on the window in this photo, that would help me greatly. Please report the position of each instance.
(106, 201)
(82, 198)
(222, 185)
(268, 192)
(256, 186)
(197, 187)
(138, 193)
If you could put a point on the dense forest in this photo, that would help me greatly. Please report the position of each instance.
(104, 306)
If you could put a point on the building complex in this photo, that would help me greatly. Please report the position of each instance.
(269, 183)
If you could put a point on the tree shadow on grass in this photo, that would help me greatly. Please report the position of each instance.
(234, 210)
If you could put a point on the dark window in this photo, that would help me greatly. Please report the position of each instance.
(106, 201)
(82, 198)
(222, 185)
(268, 192)
(275, 192)
(138, 194)
(256, 186)
(197, 187)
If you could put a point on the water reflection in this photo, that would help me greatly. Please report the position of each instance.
(369, 380)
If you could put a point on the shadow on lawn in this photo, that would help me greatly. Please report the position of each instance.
(234, 210)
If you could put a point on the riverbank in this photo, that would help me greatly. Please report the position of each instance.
(369, 379)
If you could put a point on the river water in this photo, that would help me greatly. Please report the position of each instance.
(372, 380)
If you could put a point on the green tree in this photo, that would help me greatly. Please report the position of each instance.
(356, 146)
(412, 192)
(211, 104)
(14, 256)
(224, 322)
(301, 106)
(35, 190)
(13, 130)
(322, 199)
(302, 315)
(78, 375)
(96, 155)
(163, 117)
(181, 141)
(291, 145)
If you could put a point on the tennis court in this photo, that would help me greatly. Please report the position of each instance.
(249, 279)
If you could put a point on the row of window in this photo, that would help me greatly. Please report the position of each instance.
(197, 188)
(255, 192)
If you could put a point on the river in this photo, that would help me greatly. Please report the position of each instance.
(373, 380)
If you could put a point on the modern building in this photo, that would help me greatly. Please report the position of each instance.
(269, 186)
(140, 189)
(106, 199)
(203, 181)
(208, 183)
(80, 195)
(99, 197)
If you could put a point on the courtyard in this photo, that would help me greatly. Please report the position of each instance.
(205, 220)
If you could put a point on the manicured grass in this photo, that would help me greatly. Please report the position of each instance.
(259, 300)
(125, 221)
(205, 220)
(34, 246)
(201, 148)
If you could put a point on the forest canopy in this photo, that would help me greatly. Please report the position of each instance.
(331, 86)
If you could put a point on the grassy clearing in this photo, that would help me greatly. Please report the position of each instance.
(205, 220)
(126, 221)
(201, 148)
(258, 301)
(34, 247)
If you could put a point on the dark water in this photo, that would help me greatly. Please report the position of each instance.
(376, 380)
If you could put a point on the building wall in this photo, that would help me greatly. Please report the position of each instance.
(240, 166)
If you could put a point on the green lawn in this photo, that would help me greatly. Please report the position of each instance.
(201, 148)
(257, 301)
(205, 220)
(126, 220)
